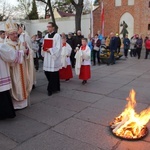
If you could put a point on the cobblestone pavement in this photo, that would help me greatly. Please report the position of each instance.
(77, 118)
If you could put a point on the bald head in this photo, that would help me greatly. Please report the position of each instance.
(112, 34)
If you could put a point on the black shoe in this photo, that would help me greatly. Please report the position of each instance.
(33, 87)
(67, 80)
(107, 64)
(84, 82)
(49, 93)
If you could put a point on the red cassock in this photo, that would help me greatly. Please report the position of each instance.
(66, 73)
(85, 71)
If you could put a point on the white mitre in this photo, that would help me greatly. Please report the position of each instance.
(10, 26)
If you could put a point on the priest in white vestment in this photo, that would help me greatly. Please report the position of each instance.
(52, 59)
(7, 56)
(29, 60)
(20, 84)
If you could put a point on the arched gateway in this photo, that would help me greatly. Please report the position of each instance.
(129, 20)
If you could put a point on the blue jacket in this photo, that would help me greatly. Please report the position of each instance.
(90, 45)
(126, 43)
(113, 44)
(100, 36)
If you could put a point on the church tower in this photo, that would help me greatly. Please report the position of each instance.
(135, 13)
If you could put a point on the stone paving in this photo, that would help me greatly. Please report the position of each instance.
(78, 117)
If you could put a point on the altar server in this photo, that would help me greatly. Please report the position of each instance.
(83, 62)
(66, 71)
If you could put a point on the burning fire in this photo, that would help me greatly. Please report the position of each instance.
(129, 124)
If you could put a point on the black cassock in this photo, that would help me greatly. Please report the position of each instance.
(52, 77)
(6, 106)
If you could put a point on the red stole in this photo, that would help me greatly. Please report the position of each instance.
(83, 47)
(64, 45)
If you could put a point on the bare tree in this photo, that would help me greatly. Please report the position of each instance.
(79, 8)
(25, 7)
(49, 7)
(87, 6)
(6, 10)
(78, 4)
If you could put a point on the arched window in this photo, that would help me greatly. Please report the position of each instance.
(149, 4)
(118, 2)
(130, 2)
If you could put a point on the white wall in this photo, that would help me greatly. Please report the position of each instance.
(66, 25)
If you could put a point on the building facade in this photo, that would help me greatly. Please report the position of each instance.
(135, 13)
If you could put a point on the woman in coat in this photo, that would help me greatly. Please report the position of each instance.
(139, 44)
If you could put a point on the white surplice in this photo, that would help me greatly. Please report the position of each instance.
(52, 60)
(65, 55)
(30, 69)
(82, 58)
(2, 40)
(20, 81)
(86, 56)
(8, 55)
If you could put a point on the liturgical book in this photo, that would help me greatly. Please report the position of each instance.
(48, 43)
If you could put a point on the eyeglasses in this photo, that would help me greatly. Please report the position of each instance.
(49, 26)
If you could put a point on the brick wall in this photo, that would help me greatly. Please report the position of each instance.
(140, 12)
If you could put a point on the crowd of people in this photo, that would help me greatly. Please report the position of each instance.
(114, 43)
(20, 54)
(135, 44)
(19, 60)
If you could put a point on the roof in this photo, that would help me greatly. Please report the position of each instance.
(64, 14)
(97, 7)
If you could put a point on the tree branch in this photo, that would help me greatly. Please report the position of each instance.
(42, 1)
(80, 2)
(73, 3)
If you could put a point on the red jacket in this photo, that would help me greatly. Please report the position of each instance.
(147, 44)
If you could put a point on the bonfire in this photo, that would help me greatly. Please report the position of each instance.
(129, 124)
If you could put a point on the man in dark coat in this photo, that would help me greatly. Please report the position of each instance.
(70, 39)
(70, 42)
(76, 44)
(126, 43)
(118, 43)
(113, 48)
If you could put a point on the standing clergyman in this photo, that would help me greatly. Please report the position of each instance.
(52, 59)
(20, 85)
(8, 55)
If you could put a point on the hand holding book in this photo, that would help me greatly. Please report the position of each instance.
(48, 43)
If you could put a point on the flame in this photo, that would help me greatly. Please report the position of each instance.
(129, 124)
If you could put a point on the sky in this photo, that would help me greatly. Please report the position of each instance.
(12, 2)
